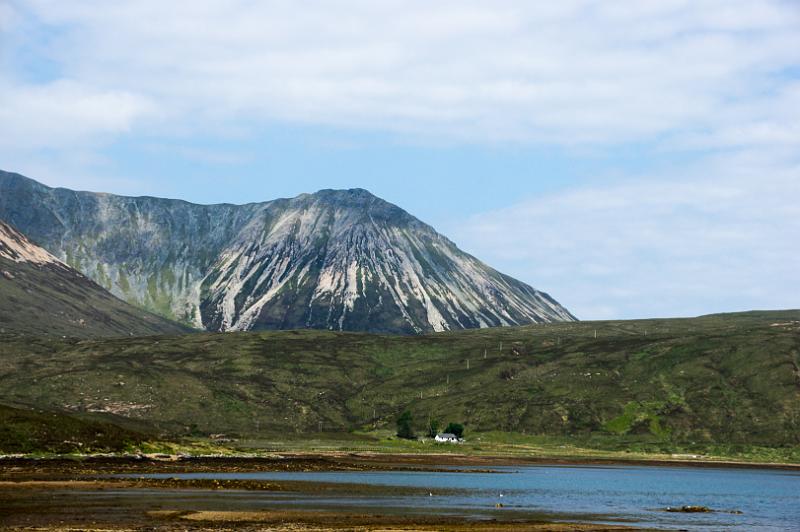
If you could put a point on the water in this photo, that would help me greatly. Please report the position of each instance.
(630, 495)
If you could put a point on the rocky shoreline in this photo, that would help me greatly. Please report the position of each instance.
(326, 461)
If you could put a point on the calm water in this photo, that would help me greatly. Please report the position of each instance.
(632, 495)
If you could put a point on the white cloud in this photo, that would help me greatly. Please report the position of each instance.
(658, 247)
(64, 114)
(7, 17)
(572, 73)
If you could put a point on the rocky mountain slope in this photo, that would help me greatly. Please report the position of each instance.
(343, 260)
(39, 294)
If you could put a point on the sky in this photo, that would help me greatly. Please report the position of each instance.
(633, 159)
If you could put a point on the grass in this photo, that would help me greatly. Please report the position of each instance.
(49, 300)
(26, 430)
(724, 385)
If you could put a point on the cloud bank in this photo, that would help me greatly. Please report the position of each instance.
(713, 82)
(573, 73)
(657, 248)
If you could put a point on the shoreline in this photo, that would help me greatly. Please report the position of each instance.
(343, 461)
(500, 461)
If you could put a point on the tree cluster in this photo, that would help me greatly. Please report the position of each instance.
(405, 429)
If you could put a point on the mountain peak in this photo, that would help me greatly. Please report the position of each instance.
(348, 193)
(348, 198)
(361, 204)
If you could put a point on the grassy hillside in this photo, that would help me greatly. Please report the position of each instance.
(52, 299)
(23, 430)
(731, 379)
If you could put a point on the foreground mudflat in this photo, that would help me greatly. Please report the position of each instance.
(60, 494)
(76, 509)
(384, 492)
(173, 504)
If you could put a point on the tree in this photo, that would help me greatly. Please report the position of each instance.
(404, 429)
(455, 428)
(433, 428)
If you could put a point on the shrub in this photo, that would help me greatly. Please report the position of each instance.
(455, 428)
(404, 429)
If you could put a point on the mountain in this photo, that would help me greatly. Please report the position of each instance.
(39, 294)
(336, 259)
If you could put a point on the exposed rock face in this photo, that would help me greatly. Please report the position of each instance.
(343, 260)
(14, 246)
(39, 294)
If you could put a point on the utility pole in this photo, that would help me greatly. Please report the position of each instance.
(595, 333)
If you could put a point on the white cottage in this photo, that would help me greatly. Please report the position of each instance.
(446, 438)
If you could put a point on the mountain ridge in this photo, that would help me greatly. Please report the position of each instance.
(334, 259)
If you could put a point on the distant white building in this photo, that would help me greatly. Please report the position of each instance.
(446, 438)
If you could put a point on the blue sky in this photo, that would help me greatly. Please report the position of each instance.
(632, 159)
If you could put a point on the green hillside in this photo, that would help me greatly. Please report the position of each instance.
(23, 430)
(731, 379)
(48, 300)
(40, 295)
